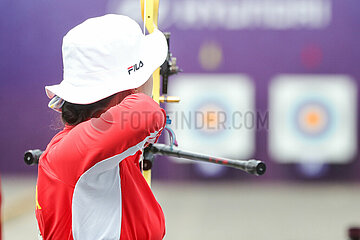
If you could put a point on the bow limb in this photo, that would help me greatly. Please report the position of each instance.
(149, 11)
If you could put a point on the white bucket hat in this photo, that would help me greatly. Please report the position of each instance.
(106, 55)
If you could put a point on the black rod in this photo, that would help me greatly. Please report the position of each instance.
(250, 166)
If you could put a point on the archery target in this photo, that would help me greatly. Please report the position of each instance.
(312, 119)
(206, 121)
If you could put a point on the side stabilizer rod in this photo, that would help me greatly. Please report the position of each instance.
(250, 166)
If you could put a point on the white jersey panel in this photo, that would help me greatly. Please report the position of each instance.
(96, 205)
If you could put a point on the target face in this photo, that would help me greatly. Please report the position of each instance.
(313, 118)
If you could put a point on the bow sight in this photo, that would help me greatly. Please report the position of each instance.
(167, 69)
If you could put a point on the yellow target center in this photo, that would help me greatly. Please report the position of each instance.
(313, 119)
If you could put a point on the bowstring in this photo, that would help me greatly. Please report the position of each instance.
(144, 31)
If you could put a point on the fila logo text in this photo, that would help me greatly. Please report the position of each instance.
(135, 67)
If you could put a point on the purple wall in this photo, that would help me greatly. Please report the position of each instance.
(30, 57)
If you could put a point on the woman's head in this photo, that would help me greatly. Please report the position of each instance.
(103, 58)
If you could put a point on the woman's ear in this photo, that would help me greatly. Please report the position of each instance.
(146, 87)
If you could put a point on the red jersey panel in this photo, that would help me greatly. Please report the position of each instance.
(89, 184)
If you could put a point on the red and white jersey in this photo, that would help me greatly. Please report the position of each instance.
(89, 184)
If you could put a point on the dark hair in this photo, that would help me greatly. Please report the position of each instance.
(73, 114)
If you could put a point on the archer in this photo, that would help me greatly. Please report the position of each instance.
(89, 181)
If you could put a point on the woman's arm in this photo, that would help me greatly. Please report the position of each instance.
(118, 133)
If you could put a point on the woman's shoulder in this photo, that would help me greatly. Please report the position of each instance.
(58, 137)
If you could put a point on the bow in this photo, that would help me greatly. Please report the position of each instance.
(150, 12)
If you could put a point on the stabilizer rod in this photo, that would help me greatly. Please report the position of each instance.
(250, 166)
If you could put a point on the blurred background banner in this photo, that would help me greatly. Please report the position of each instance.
(234, 46)
(236, 14)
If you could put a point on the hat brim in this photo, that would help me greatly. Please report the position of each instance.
(152, 52)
